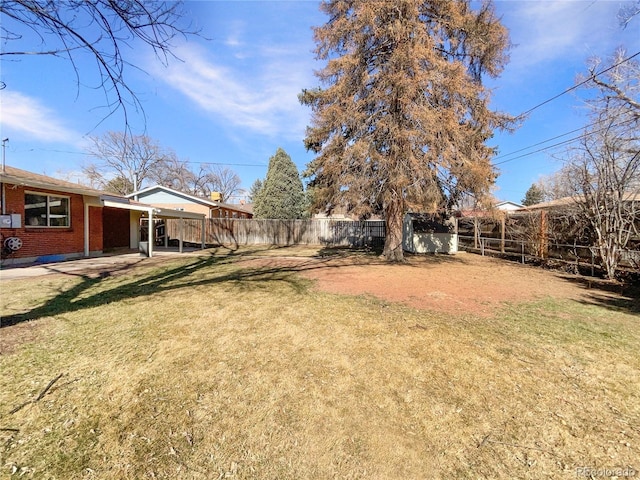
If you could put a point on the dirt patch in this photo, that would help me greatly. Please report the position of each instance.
(459, 284)
(463, 283)
(16, 335)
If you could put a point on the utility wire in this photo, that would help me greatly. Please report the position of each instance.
(541, 143)
(524, 114)
(86, 154)
(564, 142)
(564, 134)
(587, 133)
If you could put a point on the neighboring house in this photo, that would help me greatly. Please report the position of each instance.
(333, 216)
(340, 213)
(508, 206)
(493, 212)
(169, 198)
(564, 202)
(44, 219)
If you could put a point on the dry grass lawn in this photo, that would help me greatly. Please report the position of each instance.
(222, 367)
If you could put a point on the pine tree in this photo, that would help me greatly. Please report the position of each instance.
(255, 190)
(403, 118)
(533, 195)
(282, 194)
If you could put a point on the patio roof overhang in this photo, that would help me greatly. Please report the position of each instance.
(149, 210)
(150, 213)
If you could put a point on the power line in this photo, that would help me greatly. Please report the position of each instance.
(567, 133)
(523, 114)
(542, 142)
(501, 156)
(564, 142)
(86, 154)
(264, 165)
(556, 137)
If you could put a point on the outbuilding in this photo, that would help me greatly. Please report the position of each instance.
(429, 233)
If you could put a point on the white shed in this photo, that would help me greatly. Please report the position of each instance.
(429, 233)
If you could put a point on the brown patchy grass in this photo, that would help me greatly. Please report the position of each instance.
(219, 367)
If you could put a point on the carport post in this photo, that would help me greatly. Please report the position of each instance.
(87, 231)
(181, 234)
(151, 230)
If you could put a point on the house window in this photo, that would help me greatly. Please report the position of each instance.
(46, 210)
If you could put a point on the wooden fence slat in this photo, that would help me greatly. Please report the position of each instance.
(233, 231)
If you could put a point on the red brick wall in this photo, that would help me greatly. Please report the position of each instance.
(222, 212)
(96, 239)
(40, 241)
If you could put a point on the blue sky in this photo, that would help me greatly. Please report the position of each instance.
(232, 96)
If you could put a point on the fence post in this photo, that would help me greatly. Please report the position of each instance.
(522, 247)
(544, 238)
(593, 261)
(482, 246)
(502, 229)
(475, 232)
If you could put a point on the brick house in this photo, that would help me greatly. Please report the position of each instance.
(44, 219)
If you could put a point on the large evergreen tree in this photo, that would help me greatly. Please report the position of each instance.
(255, 190)
(282, 194)
(402, 119)
(532, 196)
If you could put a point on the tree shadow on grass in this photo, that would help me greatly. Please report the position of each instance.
(245, 269)
(615, 296)
(619, 297)
(136, 283)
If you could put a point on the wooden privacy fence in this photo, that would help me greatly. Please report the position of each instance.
(237, 231)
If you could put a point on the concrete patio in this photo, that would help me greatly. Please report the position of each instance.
(94, 265)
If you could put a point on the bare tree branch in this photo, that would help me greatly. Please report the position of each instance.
(102, 28)
(124, 162)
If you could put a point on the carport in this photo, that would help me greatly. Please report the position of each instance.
(140, 212)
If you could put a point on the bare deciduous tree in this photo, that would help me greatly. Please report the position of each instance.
(125, 163)
(132, 158)
(173, 173)
(223, 180)
(402, 119)
(628, 12)
(556, 185)
(603, 171)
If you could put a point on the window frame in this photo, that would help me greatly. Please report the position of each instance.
(49, 215)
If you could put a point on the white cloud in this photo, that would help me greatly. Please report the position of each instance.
(235, 34)
(28, 116)
(260, 95)
(550, 30)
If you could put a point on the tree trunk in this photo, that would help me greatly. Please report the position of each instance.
(609, 256)
(393, 213)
